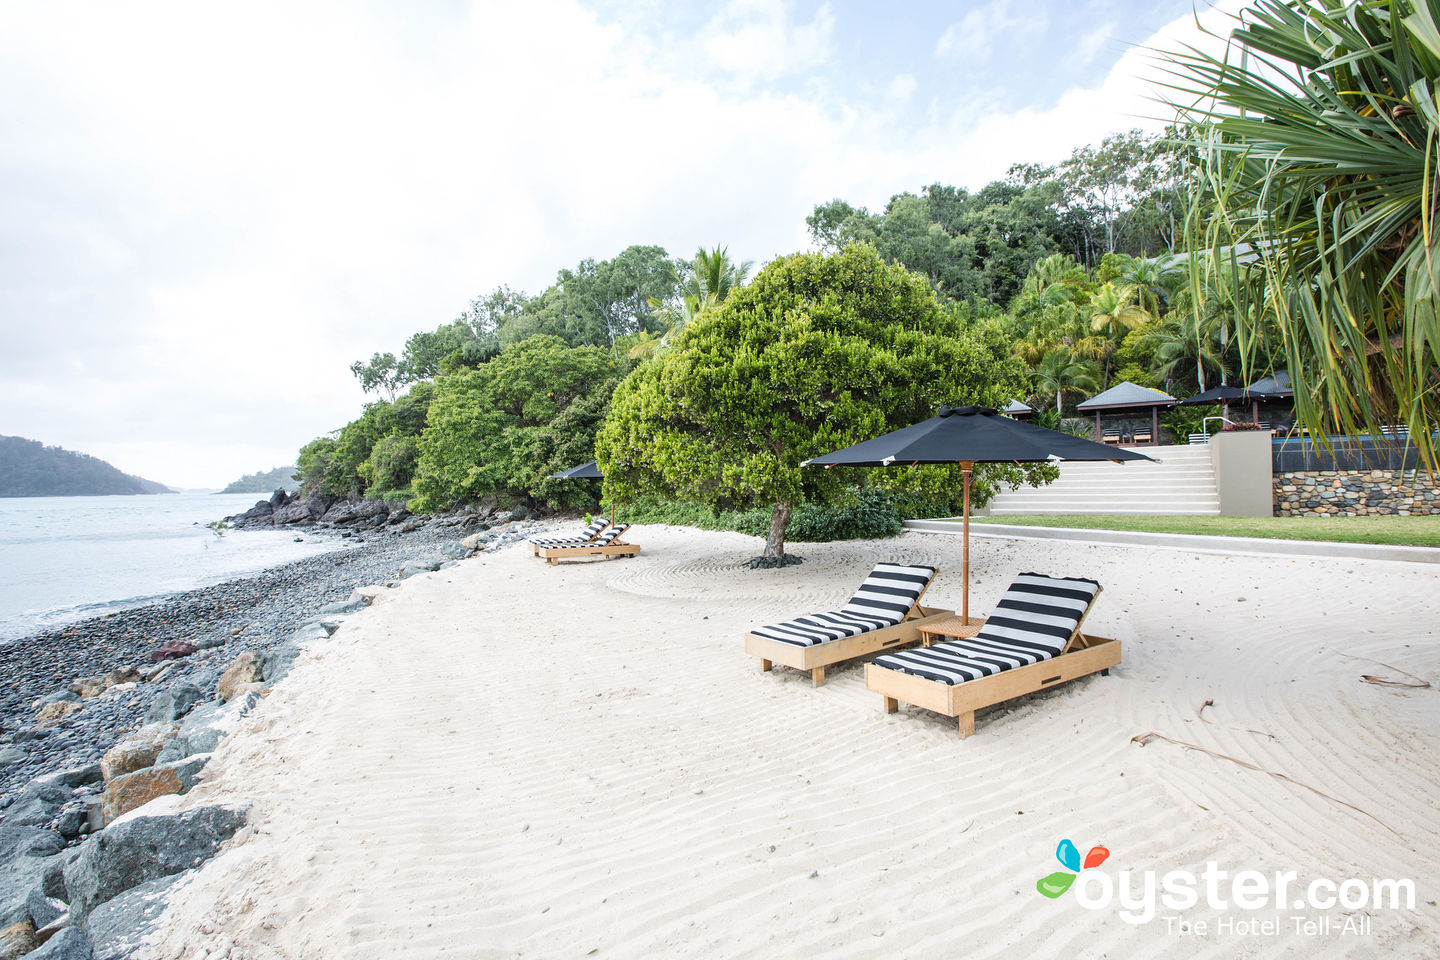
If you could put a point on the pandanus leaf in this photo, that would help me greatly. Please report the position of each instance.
(1068, 855)
(1055, 884)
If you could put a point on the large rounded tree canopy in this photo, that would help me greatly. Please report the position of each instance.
(817, 353)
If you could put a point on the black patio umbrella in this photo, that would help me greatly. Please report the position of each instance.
(586, 471)
(967, 436)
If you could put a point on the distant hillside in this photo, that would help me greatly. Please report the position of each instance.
(28, 468)
(267, 482)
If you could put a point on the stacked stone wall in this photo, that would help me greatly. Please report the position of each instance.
(1356, 493)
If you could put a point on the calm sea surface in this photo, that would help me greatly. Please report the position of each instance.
(67, 558)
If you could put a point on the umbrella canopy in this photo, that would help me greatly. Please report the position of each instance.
(586, 471)
(971, 435)
(967, 436)
(1223, 394)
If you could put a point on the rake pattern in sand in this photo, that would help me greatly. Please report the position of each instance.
(501, 759)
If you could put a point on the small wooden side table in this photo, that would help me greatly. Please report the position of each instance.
(951, 628)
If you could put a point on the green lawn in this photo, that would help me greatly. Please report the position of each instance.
(1404, 531)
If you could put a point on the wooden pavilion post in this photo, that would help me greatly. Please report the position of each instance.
(1099, 437)
(1155, 426)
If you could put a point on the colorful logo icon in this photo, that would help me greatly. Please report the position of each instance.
(1069, 857)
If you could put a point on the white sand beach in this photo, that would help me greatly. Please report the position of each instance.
(509, 759)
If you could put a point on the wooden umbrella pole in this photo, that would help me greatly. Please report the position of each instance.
(965, 469)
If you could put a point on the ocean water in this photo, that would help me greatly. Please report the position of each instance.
(68, 558)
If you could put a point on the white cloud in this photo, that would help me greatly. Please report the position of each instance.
(756, 40)
(974, 35)
(209, 215)
(902, 87)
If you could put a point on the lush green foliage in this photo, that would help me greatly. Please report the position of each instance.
(817, 353)
(1314, 200)
(501, 427)
(28, 468)
(344, 464)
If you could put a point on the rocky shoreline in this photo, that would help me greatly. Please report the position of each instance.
(105, 715)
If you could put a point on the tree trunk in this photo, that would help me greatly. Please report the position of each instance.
(775, 542)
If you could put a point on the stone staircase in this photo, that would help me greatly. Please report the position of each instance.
(1182, 483)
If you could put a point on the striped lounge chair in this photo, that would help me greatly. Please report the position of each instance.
(1032, 641)
(607, 545)
(884, 613)
(586, 536)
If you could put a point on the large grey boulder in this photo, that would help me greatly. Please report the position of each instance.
(119, 927)
(44, 910)
(40, 800)
(455, 550)
(25, 852)
(68, 944)
(344, 607)
(174, 702)
(206, 726)
(136, 851)
(275, 662)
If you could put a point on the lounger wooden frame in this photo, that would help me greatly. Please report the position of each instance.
(615, 548)
(1081, 656)
(816, 657)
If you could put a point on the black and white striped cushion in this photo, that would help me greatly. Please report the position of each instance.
(890, 591)
(585, 537)
(609, 535)
(1031, 623)
(882, 601)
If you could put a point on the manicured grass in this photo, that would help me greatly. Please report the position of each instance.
(1395, 531)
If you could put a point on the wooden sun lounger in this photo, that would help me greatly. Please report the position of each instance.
(1081, 656)
(587, 535)
(817, 656)
(607, 545)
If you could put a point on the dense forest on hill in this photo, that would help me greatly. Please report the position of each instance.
(265, 481)
(28, 468)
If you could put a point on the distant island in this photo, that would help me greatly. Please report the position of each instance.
(28, 468)
(266, 482)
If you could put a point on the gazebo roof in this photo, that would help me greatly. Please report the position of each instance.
(1127, 395)
(1015, 406)
(1275, 385)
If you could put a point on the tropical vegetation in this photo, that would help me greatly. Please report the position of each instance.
(1283, 221)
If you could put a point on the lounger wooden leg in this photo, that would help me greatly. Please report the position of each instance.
(891, 704)
(817, 675)
(967, 723)
(766, 665)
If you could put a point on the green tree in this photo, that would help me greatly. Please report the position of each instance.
(1061, 370)
(1314, 198)
(816, 353)
(491, 429)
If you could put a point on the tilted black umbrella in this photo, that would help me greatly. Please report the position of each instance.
(586, 471)
(967, 436)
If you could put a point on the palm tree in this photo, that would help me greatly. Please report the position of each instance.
(1314, 195)
(1114, 313)
(1061, 370)
(713, 277)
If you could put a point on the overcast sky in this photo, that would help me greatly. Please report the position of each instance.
(210, 210)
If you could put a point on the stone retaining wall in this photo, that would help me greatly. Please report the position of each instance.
(1355, 493)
